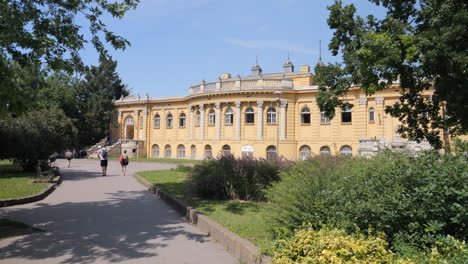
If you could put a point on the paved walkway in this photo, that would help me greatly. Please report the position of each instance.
(112, 219)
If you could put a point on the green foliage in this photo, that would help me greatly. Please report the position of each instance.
(44, 34)
(232, 178)
(34, 136)
(299, 196)
(411, 199)
(183, 168)
(421, 44)
(334, 246)
(331, 247)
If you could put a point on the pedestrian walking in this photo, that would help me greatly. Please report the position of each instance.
(68, 156)
(124, 162)
(103, 159)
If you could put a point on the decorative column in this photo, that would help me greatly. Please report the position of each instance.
(260, 120)
(238, 119)
(191, 122)
(218, 120)
(202, 121)
(283, 120)
(136, 126)
(380, 111)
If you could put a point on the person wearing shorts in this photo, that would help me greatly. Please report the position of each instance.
(124, 162)
(103, 159)
(68, 156)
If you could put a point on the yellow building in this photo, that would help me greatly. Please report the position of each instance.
(258, 115)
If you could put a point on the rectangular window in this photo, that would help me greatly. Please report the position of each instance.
(324, 118)
(249, 118)
(305, 118)
(229, 119)
(346, 117)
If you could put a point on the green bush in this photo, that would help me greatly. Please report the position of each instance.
(228, 178)
(183, 168)
(298, 197)
(330, 246)
(411, 199)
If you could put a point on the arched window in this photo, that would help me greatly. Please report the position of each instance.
(346, 150)
(167, 151)
(371, 114)
(271, 153)
(155, 151)
(157, 121)
(346, 115)
(182, 120)
(211, 117)
(197, 118)
(181, 151)
(324, 119)
(169, 121)
(305, 116)
(249, 116)
(208, 152)
(226, 150)
(304, 152)
(141, 122)
(229, 117)
(271, 115)
(325, 150)
(193, 152)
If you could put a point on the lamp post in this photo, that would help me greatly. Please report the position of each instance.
(278, 97)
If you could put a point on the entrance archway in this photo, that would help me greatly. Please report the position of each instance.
(129, 131)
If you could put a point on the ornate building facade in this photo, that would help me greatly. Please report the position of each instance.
(261, 115)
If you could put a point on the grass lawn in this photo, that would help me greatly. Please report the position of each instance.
(166, 160)
(15, 184)
(247, 219)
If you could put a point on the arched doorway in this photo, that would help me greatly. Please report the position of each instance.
(129, 131)
(247, 151)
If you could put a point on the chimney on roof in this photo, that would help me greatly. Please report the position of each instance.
(226, 76)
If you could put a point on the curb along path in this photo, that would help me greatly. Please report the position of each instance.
(112, 219)
(233, 243)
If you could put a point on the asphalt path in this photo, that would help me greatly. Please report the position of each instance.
(111, 219)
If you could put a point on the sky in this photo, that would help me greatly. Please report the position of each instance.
(179, 43)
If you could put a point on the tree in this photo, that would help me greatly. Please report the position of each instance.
(419, 44)
(45, 33)
(35, 135)
(94, 100)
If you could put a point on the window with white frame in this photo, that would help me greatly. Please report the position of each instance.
(304, 152)
(208, 152)
(271, 115)
(169, 121)
(155, 151)
(181, 151)
(371, 115)
(182, 120)
(197, 118)
(346, 115)
(229, 117)
(211, 117)
(157, 121)
(249, 116)
(325, 150)
(305, 116)
(324, 119)
(346, 150)
(167, 151)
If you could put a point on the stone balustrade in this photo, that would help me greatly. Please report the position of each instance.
(241, 84)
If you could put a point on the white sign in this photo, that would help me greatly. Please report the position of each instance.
(247, 148)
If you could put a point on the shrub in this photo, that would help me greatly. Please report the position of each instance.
(183, 168)
(411, 199)
(232, 178)
(297, 198)
(331, 246)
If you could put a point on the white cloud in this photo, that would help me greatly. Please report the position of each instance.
(271, 44)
